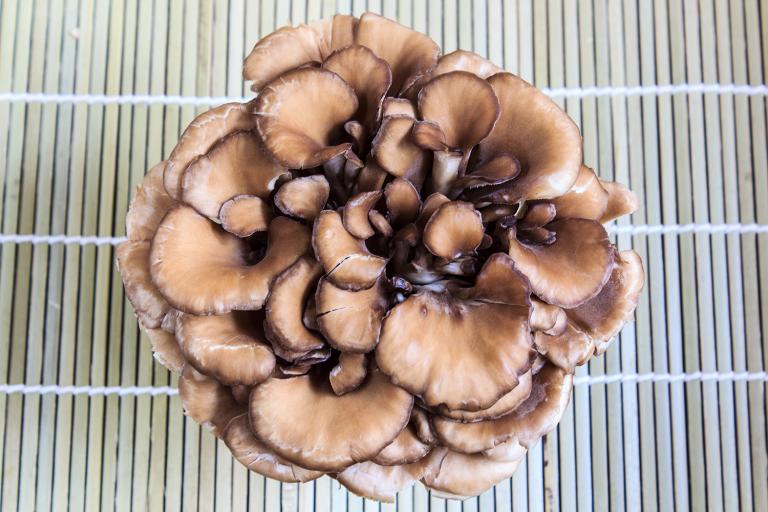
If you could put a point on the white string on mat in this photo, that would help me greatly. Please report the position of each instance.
(572, 92)
(640, 229)
(588, 380)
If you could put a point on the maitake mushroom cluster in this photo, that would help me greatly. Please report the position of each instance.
(384, 268)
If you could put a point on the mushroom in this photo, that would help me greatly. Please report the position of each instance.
(228, 348)
(301, 117)
(346, 260)
(395, 151)
(443, 349)
(284, 309)
(504, 405)
(496, 171)
(207, 401)
(567, 349)
(406, 51)
(255, 456)
(429, 207)
(148, 206)
(371, 177)
(148, 303)
(621, 201)
(305, 422)
(205, 131)
(166, 349)
(458, 60)
(454, 230)
(349, 373)
(526, 424)
(540, 135)
(377, 482)
(547, 318)
(303, 197)
(356, 212)
(403, 201)
(201, 269)
(572, 269)
(244, 215)
(350, 320)
(422, 426)
(397, 106)
(236, 165)
(587, 198)
(443, 101)
(405, 449)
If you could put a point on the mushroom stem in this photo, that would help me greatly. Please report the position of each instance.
(447, 166)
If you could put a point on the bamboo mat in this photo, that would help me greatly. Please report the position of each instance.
(681, 423)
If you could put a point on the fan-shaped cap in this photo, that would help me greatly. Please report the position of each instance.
(621, 201)
(166, 349)
(465, 353)
(454, 230)
(568, 349)
(244, 215)
(201, 135)
(301, 115)
(405, 449)
(402, 200)
(587, 199)
(345, 259)
(201, 269)
(378, 482)
(406, 51)
(207, 401)
(148, 206)
(230, 348)
(504, 405)
(303, 197)
(572, 269)
(304, 421)
(547, 318)
(133, 264)
(349, 372)
(536, 416)
(350, 320)
(395, 151)
(540, 135)
(355, 214)
(398, 106)
(458, 60)
(255, 456)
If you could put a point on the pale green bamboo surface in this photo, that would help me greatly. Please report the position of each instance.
(70, 168)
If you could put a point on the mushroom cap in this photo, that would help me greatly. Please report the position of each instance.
(300, 114)
(405, 449)
(371, 177)
(402, 200)
(621, 201)
(377, 482)
(305, 422)
(226, 347)
(255, 456)
(236, 165)
(348, 373)
(149, 205)
(465, 353)
(303, 197)
(535, 417)
(454, 230)
(355, 214)
(458, 60)
(571, 270)
(207, 401)
(422, 426)
(406, 51)
(350, 320)
(166, 349)
(444, 101)
(398, 106)
(133, 264)
(244, 215)
(547, 318)
(201, 269)
(345, 259)
(368, 75)
(396, 152)
(284, 325)
(568, 349)
(200, 136)
(457, 475)
(587, 198)
(603, 317)
(540, 135)
(504, 405)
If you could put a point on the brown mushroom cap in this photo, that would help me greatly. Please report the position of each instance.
(350, 320)
(457, 475)
(603, 317)
(166, 349)
(571, 270)
(300, 114)
(236, 165)
(147, 301)
(226, 347)
(244, 215)
(403, 201)
(345, 259)
(395, 151)
(349, 373)
(568, 349)
(397, 106)
(621, 201)
(587, 199)
(547, 318)
(201, 135)
(255, 456)
(303, 197)
(454, 230)
(371, 177)
(201, 269)
(445, 101)
(304, 421)
(504, 405)
(207, 401)
(148, 206)
(284, 309)
(532, 419)
(422, 426)
(458, 60)
(367, 74)
(377, 482)
(509, 451)
(356, 212)
(465, 353)
(406, 51)
(540, 135)
(405, 449)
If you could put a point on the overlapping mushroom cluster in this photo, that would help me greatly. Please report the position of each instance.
(385, 267)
